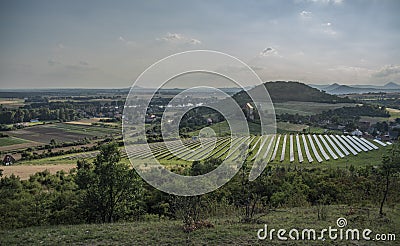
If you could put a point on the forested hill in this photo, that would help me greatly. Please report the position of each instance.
(282, 91)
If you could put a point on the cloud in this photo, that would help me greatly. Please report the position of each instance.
(178, 38)
(327, 28)
(305, 14)
(337, 2)
(195, 41)
(269, 51)
(83, 63)
(256, 68)
(53, 62)
(351, 69)
(125, 41)
(79, 66)
(388, 70)
(172, 37)
(60, 46)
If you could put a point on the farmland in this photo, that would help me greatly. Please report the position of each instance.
(7, 141)
(307, 108)
(62, 132)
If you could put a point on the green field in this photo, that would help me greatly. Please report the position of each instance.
(62, 132)
(7, 141)
(307, 108)
(226, 231)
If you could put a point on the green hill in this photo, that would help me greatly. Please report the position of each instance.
(282, 91)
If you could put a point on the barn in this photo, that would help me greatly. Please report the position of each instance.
(8, 160)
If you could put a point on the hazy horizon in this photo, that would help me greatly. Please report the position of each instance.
(101, 44)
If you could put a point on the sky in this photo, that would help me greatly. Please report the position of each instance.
(108, 44)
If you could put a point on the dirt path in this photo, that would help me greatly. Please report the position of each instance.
(25, 171)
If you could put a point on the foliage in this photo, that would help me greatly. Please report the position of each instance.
(111, 191)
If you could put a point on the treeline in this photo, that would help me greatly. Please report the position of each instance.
(54, 93)
(108, 191)
(346, 116)
(63, 111)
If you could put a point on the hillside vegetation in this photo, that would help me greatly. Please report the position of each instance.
(282, 91)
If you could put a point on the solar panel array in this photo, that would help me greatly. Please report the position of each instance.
(286, 147)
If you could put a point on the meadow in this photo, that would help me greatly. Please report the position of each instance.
(62, 132)
(226, 229)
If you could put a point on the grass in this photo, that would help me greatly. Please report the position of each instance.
(56, 160)
(283, 127)
(394, 113)
(307, 108)
(12, 102)
(87, 130)
(226, 230)
(7, 141)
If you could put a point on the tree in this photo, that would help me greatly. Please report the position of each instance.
(113, 190)
(390, 166)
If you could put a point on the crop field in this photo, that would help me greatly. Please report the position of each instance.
(62, 132)
(394, 113)
(89, 122)
(24, 171)
(307, 108)
(289, 127)
(12, 102)
(7, 141)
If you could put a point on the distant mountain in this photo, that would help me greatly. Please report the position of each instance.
(282, 91)
(345, 89)
(331, 87)
(392, 85)
(337, 89)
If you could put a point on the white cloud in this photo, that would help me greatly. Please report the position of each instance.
(269, 51)
(388, 70)
(305, 14)
(326, 1)
(53, 62)
(60, 46)
(351, 69)
(125, 41)
(178, 38)
(195, 41)
(327, 28)
(172, 37)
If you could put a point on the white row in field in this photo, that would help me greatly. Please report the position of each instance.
(266, 148)
(311, 148)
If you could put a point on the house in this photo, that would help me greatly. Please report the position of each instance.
(150, 118)
(249, 111)
(8, 160)
(357, 133)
